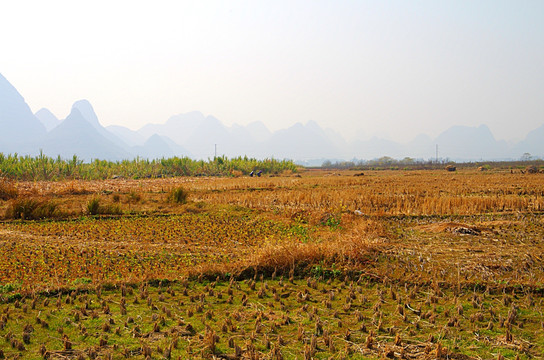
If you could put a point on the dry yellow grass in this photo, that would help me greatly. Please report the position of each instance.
(417, 264)
(413, 193)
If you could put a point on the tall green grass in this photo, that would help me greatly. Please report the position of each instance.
(41, 167)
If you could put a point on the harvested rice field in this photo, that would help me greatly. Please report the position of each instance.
(314, 265)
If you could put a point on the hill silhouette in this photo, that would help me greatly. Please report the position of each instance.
(196, 135)
(20, 129)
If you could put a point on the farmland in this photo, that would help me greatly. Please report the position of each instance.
(317, 264)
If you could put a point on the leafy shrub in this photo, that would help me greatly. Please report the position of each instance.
(178, 195)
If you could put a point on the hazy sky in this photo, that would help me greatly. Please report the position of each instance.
(395, 68)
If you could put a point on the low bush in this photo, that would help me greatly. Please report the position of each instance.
(95, 208)
(178, 195)
(32, 209)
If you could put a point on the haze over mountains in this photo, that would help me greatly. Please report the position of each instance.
(197, 136)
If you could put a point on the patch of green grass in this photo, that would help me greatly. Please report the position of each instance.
(81, 281)
(332, 220)
(6, 288)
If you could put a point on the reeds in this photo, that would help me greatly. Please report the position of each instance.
(42, 167)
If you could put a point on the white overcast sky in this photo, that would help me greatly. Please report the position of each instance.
(388, 68)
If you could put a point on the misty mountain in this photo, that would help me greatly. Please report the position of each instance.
(177, 149)
(208, 132)
(178, 127)
(47, 118)
(337, 139)
(375, 148)
(157, 147)
(257, 131)
(87, 111)
(76, 135)
(197, 136)
(470, 143)
(200, 134)
(129, 137)
(81, 130)
(532, 144)
(421, 147)
(308, 141)
(81, 133)
(458, 143)
(154, 147)
(19, 128)
(250, 139)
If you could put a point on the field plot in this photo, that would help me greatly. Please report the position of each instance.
(272, 319)
(413, 265)
(131, 249)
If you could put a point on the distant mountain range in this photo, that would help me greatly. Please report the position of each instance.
(197, 136)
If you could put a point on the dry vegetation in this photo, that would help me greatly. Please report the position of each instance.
(397, 264)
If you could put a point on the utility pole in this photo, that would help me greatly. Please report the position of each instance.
(437, 153)
(215, 153)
